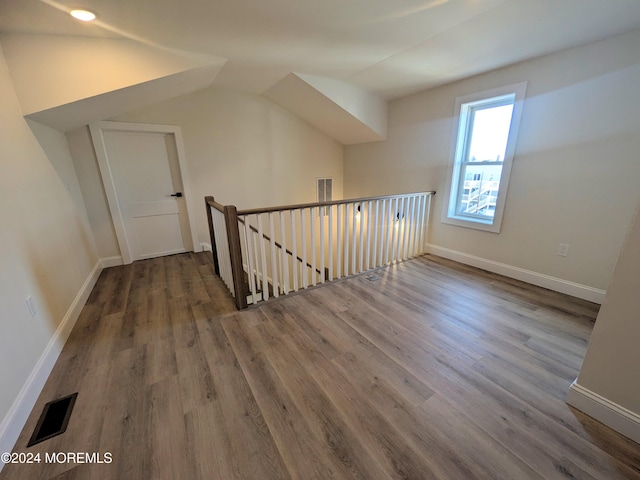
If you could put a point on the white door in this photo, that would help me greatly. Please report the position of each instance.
(149, 194)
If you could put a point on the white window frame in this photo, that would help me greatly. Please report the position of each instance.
(459, 140)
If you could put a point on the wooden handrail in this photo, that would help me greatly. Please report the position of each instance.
(255, 211)
(212, 203)
(266, 237)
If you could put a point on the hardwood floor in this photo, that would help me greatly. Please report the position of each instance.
(430, 370)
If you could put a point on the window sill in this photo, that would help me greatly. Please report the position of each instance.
(491, 225)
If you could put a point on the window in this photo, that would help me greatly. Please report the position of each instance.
(482, 152)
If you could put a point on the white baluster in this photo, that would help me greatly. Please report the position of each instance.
(294, 250)
(214, 217)
(368, 257)
(402, 229)
(421, 224)
(263, 260)
(250, 260)
(216, 235)
(361, 233)
(414, 225)
(303, 227)
(383, 231)
(256, 247)
(223, 256)
(354, 238)
(228, 259)
(395, 229)
(321, 220)
(279, 264)
(426, 220)
(330, 207)
(284, 262)
(313, 246)
(414, 210)
(416, 240)
(346, 239)
(407, 227)
(339, 240)
(375, 234)
(274, 257)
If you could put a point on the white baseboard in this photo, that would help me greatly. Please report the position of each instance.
(16, 417)
(114, 261)
(206, 247)
(546, 281)
(605, 411)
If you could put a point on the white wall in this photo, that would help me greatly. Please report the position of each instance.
(47, 251)
(241, 148)
(607, 387)
(99, 217)
(575, 172)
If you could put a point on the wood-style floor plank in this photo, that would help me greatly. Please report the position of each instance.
(428, 370)
(285, 419)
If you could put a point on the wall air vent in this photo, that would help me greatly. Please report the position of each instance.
(325, 194)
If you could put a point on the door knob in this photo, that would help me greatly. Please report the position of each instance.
(177, 194)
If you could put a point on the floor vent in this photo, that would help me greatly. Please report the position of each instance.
(54, 419)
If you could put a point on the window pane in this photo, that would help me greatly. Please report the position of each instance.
(479, 192)
(481, 161)
(490, 133)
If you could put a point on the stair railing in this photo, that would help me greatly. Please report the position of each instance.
(255, 276)
(265, 252)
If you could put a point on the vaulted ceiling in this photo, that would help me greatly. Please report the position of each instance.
(387, 47)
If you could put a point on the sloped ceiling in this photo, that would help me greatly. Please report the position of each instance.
(389, 48)
(53, 70)
(109, 104)
(340, 110)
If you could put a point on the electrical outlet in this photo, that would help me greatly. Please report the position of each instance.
(31, 304)
(563, 249)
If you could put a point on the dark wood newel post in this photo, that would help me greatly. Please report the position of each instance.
(214, 251)
(233, 233)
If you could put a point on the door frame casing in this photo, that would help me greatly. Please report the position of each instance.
(97, 130)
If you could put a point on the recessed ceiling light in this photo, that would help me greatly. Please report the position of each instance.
(83, 15)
